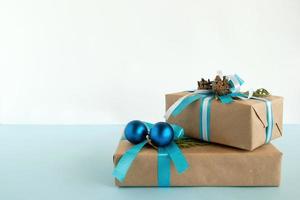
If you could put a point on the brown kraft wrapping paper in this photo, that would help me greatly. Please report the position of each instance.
(241, 124)
(209, 165)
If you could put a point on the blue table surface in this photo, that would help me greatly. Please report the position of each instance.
(75, 162)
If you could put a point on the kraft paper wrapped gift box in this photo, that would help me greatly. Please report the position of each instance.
(209, 165)
(241, 124)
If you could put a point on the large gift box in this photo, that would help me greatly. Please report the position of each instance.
(242, 123)
(209, 165)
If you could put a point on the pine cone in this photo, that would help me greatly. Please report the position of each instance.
(221, 86)
(204, 84)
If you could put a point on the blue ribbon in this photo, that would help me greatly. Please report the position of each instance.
(164, 157)
(205, 107)
(270, 118)
(235, 83)
(125, 162)
(163, 167)
(186, 102)
(164, 163)
(205, 110)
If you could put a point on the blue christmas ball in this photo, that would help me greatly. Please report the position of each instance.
(161, 134)
(135, 131)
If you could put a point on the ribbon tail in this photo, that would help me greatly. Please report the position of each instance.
(178, 131)
(163, 167)
(184, 101)
(236, 82)
(226, 99)
(126, 160)
(177, 157)
(250, 93)
(241, 81)
(243, 96)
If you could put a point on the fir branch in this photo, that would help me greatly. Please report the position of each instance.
(189, 142)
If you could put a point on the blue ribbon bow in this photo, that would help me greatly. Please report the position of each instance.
(165, 155)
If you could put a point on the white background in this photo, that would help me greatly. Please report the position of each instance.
(93, 61)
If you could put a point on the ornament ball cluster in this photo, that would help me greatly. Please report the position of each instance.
(161, 134)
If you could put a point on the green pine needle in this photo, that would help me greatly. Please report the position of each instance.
(189, 142)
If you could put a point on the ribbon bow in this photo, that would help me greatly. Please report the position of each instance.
(165, 155)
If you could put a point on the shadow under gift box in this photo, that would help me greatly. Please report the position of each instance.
(241, 124)
(209, 165)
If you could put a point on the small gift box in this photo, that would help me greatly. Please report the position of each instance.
(218, 112)
(241, 124)
(209, 165)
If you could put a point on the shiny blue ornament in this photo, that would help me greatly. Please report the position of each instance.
(136, 131)
(161, 134)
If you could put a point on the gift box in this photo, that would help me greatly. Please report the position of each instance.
(241, 123)
(209, 165)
